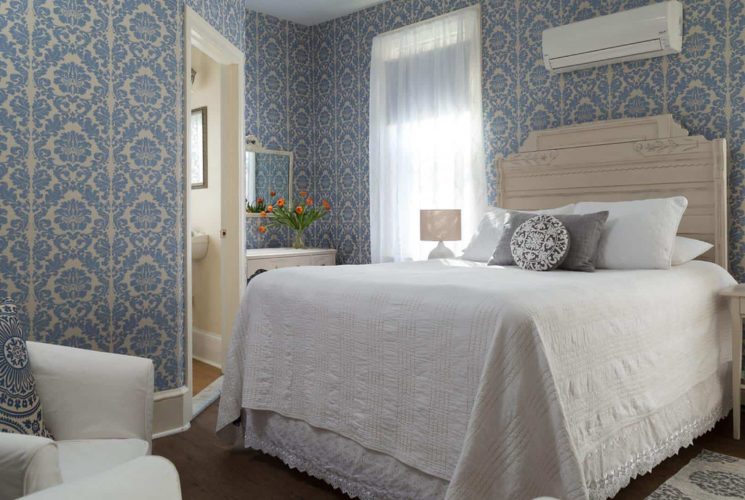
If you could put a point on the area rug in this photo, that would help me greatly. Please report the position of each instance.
(709, 476)
(206, 397)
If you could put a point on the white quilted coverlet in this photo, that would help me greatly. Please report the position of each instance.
(507, 383)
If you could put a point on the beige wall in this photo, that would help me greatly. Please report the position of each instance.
(205, 203)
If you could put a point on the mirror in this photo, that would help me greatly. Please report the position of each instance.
(199, 148)
(267, 171)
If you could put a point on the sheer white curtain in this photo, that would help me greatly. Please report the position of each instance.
(426, 146)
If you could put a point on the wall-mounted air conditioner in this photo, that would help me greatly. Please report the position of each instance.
(644, 32)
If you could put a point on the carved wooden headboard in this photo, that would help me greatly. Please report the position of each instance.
(626, 159)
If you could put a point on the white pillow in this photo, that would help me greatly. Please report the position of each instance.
(563, 210)
(638, 234)
(687, 249)
(487, 236)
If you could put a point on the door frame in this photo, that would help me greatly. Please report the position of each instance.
(199, 33)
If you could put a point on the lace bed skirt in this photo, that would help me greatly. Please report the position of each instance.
(341, 462)
(367, 474)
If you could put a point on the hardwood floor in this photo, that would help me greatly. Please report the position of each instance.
(203, 375)
(209, 469)
(718, 439)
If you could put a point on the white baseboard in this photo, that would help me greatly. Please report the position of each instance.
(171, 432)
(207, 347)
(171, 411)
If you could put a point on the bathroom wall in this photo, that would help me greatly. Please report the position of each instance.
(205, 208)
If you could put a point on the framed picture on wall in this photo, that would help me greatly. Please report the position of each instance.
(199, 148)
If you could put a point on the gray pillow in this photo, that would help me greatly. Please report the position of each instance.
(584, 233)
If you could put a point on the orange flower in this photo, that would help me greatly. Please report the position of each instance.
(309, 201)
(262, 229)
(259, 201)
(269, 208)
(272, 193)
(326, 204)
(262, 214)
(281, 202)
(299, 210)
(303, 194)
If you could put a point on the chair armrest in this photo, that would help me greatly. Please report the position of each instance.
(27, 464)
(87, 395)
(144, 478)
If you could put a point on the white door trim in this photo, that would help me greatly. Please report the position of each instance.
(201, 34)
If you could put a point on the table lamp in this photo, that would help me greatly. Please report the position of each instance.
(440, 225)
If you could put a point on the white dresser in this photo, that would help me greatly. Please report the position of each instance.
(274, 258)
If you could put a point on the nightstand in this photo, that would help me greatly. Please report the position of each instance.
(736, 296)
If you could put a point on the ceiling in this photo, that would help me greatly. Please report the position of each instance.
(309, 12)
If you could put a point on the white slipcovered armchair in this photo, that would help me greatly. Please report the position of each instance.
(99, 408)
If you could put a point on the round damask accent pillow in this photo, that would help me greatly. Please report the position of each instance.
(540, 244)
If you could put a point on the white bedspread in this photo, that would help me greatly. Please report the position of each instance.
(507, 383)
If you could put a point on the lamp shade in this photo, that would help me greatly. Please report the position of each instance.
(439, 225)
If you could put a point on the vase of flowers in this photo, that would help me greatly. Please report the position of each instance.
(297, 242)
(297, 217)
(257, 207)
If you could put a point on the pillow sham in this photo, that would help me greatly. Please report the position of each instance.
(687, 249)
(20, 407)
(638, 234)
(490, 229)
(487, 236)
(540, 244)
(584, 230)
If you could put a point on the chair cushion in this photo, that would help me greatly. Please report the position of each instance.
(80, 458)
(20, 407)
(27, 464)
(144, 478)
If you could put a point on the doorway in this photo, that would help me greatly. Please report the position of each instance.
(214, 194)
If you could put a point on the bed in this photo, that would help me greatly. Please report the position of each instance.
(454, 379)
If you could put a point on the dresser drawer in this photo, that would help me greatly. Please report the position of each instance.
(253, 265)
(288, 259)
(322, 260)
(290, 262)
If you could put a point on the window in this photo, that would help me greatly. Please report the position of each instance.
(426, 148)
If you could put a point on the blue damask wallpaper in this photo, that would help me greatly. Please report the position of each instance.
(279, 102)
(227, 16)
(91, 98)
(91, 219)
(702, 88)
